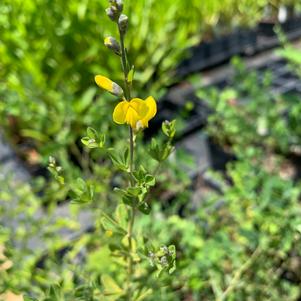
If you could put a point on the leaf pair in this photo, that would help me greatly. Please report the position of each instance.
(93, 139)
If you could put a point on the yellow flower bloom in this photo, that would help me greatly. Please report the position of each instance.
(136, 112)
(106, 84)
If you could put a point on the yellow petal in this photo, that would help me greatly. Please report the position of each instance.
(152, 110)
(108, 85)
(104, 82)
(136, 112)
(132, 117)
(120, 112)
(140, 107)
(152, 106)
(108, 41)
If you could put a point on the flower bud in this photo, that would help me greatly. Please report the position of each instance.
(112, 13)
(119, 5)
(108, 85)
(123, 23)
(112, 44)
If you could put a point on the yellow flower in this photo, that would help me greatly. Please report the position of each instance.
(106, 84)
(136, 112)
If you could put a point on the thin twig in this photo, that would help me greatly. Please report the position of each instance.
(234, 281)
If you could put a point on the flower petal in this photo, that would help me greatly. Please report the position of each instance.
(132, 117)
(108, 85)
(140, 107)
(136, 112)
(152, 105)
(104, 82)
(120, 112)
(152, 110)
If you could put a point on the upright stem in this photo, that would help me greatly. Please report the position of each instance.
(124, 66)
(131, 220)
(131, 153)
(131, 209)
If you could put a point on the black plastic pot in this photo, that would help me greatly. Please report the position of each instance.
(217, 48)
(232, 44)
(196, 60)
(211, 53)
(292, 24)
(248, 41)
(266, 28)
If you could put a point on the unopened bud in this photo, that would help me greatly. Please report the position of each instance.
(123, 23)
(108, 85)
(119, 5)
(112, 13)
(112, 44)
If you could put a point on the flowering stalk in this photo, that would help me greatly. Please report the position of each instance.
(134, 197)
(132, 209)
(136, 113)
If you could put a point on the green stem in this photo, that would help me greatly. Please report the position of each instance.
(131, 153)
(124, 66)
(130, 263)
(237, 276)
(131, 221)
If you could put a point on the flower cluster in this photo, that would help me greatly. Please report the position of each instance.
(135, 112)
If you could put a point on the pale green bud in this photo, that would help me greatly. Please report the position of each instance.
(123, 23)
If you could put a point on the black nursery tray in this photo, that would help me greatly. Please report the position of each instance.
(209, 54)
(241, 42)
(284, 81)
(267, 28)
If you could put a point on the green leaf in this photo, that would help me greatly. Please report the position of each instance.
(168, 128)
(121, 214)
(93, 140)
(130, 200)
(144, 208)
(120, 161)
(89, 142)
(126, 156)
(150, 180)
(109, 223)
(111, 288)
(92, 133)
(144, 294)
(36, 135)
(134, 191)
(81, 192)
(54, 294)
(160, 152)
(131, 75)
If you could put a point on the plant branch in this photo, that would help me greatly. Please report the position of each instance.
(237, 276)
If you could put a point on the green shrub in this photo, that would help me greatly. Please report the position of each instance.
(238, 121)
